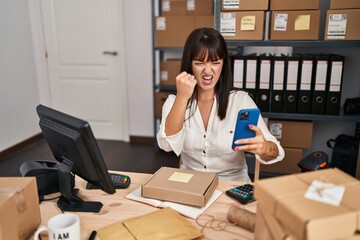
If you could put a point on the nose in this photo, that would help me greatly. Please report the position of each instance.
(207, 69)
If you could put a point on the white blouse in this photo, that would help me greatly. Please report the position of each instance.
(210, 150)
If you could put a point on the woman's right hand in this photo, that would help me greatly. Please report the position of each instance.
(185, 85)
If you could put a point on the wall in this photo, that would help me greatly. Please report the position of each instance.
(138, 41)
(19, 93)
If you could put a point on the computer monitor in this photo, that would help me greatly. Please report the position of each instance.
(73, 144)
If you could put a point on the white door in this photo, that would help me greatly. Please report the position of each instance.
(85, 50)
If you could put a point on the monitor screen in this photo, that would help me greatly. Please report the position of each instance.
(73, 144)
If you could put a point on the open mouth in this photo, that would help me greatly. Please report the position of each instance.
(207, 79)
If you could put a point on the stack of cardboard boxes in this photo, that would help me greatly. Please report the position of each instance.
(295, 20)
(176, 20)
(342, 20)
(243, 20)
(317, 205)
(294, 137)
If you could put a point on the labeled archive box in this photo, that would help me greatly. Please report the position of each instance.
(172, 31)
(312, 217)
(187, 7)
(292, 134)
(344, 4)
(244, 5)
(295, 25)
(160, 98)
(244, 25)
(295, 4)
(19, 208)
(169, 69)
(342, 24)
(181, 186)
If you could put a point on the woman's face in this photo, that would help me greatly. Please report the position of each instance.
(207, 73)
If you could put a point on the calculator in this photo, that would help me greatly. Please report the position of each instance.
(118, 180)
(244, 193)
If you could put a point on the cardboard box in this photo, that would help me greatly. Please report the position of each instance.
(160, 98)
(268, 228)
(288, 165)
(204, 21)
(295, 25)
(172, 31)
(295, 4)
(283, 198)
(19, 208)
(244, 5)
(292, 134)
(187, 7)
(245, 25)
(342, 24)
(344, 4)
(169, 69)
(181, 186)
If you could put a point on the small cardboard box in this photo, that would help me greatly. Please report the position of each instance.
(242, 25)
(295, 25)
(295, 4)
(169, 69)
(344, 4)
(342, 24)
(172, 31)
(288, 165)
(181, 186)
(19, 208)
(283, 198)
(187, 7)
(160, 98)
(292, 134)
(244, 5)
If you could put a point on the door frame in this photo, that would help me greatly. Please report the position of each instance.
(41, 66)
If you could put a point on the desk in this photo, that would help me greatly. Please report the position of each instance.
(117, 208)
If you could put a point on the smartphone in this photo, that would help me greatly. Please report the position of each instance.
(244, 118)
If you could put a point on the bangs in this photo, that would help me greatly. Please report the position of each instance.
(208, 50)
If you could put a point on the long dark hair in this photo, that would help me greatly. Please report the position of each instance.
(210, 44)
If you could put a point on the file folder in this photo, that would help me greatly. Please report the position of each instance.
(277, 88)
(250, 80)
(319, 85)
(334, 86)
(263, 96)
(238, 71)
(291, 84)
(306, 77)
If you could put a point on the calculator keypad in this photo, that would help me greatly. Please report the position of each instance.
(244, 193)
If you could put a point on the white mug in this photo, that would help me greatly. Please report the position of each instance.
(62, 226)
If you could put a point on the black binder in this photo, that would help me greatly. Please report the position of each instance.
(291, 84)
(319, 84)
(306, 78)
(238, 71)
(334, 86)
(251, 73)
(263, 96)
(277, 86)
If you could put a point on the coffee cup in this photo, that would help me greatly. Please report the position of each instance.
(62, 226)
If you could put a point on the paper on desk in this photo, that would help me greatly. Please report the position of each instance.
(162, 224)
(185, 210)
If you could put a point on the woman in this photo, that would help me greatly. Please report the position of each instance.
(198, 123)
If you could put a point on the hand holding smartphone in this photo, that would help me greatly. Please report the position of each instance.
(245, 117)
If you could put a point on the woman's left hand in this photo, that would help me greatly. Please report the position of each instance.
(256, 145)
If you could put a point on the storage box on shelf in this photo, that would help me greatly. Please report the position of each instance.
(244, 5)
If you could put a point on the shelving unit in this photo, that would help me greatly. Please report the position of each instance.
(238, 45)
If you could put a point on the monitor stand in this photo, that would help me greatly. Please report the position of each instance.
(69, 201)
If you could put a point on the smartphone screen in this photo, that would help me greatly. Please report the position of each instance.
(244, 118)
